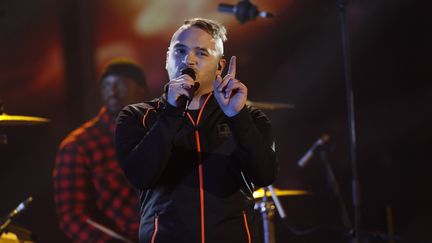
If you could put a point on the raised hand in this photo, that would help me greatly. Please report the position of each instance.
(229, 92)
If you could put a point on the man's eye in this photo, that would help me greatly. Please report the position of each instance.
(202, 53)
(180, 51)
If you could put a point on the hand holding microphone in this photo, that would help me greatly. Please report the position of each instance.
(182, 88)
(186, 99)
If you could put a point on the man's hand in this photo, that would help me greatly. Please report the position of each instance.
(230, 93)
(180, 86)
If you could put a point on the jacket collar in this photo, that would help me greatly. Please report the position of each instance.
(210, 107)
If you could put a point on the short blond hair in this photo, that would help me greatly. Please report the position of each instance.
(214, 28)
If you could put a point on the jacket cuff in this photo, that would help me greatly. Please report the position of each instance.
(240, 123)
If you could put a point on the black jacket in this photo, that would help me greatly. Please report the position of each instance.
(196, 178)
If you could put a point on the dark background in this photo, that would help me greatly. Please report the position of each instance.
(51, 53)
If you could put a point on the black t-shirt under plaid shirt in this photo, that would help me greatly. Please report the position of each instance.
(90, 185)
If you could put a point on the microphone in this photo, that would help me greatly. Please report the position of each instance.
(184, 99)
(190, 72)
(309, 154)
(19, 209)
(244, 11)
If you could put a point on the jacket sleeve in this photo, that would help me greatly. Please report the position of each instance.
(144, 151)
(73, 195)
(256, 148)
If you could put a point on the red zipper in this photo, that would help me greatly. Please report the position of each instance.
(247, 227)
(200, 169)
(156, 225)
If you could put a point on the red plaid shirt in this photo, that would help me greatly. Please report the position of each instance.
(89, 184)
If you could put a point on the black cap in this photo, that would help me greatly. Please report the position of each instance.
(125, 67)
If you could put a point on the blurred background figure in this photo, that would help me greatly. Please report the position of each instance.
(90, 189)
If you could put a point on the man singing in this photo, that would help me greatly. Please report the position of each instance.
(197, 152)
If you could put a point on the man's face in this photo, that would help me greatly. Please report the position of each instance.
(118, 91)
(193, 47)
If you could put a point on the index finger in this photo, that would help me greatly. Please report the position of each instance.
(232, 67)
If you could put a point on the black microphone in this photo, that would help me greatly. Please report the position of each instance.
(244, 11)
(184, 99)
(190, 72)
(308, 156)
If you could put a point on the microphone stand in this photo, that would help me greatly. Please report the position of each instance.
(336, 189)
(9, 218)
(345, 216)
(351, 122)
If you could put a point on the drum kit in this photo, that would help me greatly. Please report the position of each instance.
(9, 232)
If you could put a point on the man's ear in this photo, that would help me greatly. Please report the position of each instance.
(221, 66)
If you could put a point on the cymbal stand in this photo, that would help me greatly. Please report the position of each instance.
(267, 209)
(267, 212)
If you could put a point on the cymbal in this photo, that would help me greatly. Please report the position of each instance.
(6, 120)
(269, 105)
(260, 193)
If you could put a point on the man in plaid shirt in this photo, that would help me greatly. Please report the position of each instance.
(90, 189)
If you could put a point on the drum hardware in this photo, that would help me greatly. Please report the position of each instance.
(269, 105)
(267, 213)
(267, 208)
(279, 192)
(108, 231)
(17, 234)
(18, 210)
(355, 235)
(9, 120)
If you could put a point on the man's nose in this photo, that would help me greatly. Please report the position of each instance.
(111, 90)
(189, 59)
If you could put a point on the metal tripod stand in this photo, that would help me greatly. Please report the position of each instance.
(267, 211)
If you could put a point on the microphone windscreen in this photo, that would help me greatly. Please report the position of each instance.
(190, 72)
